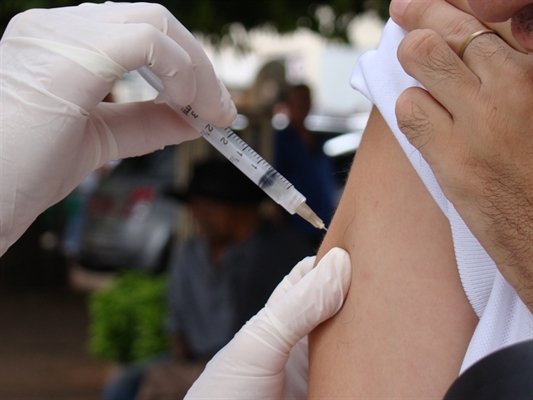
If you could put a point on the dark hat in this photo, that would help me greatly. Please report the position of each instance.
(220, 180)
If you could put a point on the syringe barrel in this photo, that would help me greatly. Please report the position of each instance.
(289, 198)
(254, 166)
(235, 150)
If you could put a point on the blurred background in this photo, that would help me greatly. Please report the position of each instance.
(113, 235)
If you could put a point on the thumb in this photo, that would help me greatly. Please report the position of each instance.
(251, 365)
(297, 273)
(315, 298)
(262, 346)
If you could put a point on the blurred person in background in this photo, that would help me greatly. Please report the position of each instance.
(219, 278)
(299, 157)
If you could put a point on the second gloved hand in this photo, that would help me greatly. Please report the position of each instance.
(57, 65)
(252, 365)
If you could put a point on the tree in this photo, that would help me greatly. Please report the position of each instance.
(213, 18)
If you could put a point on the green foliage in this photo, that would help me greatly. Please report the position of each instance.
(212, 18)
(127, 318)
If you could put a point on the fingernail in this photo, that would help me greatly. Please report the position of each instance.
(398, 7)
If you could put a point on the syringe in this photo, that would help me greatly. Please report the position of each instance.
(242, 156)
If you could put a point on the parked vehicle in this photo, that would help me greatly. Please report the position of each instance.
(130, 222)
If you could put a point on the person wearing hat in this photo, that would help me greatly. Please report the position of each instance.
(220, 277)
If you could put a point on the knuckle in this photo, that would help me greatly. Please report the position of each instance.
(419, 41)
(160, 16)
(155, 9)
(28, 18)
(413, 121)
(147, 32)
(403, 105)
(418, 48)
(425, 52)
(460, 28)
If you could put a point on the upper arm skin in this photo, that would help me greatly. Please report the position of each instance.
(406, 323)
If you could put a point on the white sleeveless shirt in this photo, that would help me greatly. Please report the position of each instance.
(503, 318)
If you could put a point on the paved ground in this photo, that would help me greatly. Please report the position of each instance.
(43, 334)
(43, 328)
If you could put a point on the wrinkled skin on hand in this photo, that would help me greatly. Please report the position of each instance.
(474, 126)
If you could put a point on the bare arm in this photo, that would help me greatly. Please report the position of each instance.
(406, 324)
(480, 147)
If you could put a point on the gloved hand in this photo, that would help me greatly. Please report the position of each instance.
(251, 366)
(57, 65)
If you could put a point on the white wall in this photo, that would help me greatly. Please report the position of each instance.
(311, 59)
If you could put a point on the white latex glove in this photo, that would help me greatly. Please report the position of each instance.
(57, 65)
(251, 366)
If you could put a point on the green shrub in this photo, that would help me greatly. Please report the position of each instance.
(127, 318)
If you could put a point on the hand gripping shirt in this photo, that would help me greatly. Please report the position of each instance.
(503, 318)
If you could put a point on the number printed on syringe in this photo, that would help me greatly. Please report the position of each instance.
(241, 155)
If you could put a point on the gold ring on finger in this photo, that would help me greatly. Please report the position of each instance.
(472, 37)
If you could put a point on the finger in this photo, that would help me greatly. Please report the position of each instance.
(316, 297)
(297, 273)
(253, 362)
(163, 55)
(426, 57)
(424, 122)
(455, 25)
(133, 129)
(140, 45)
